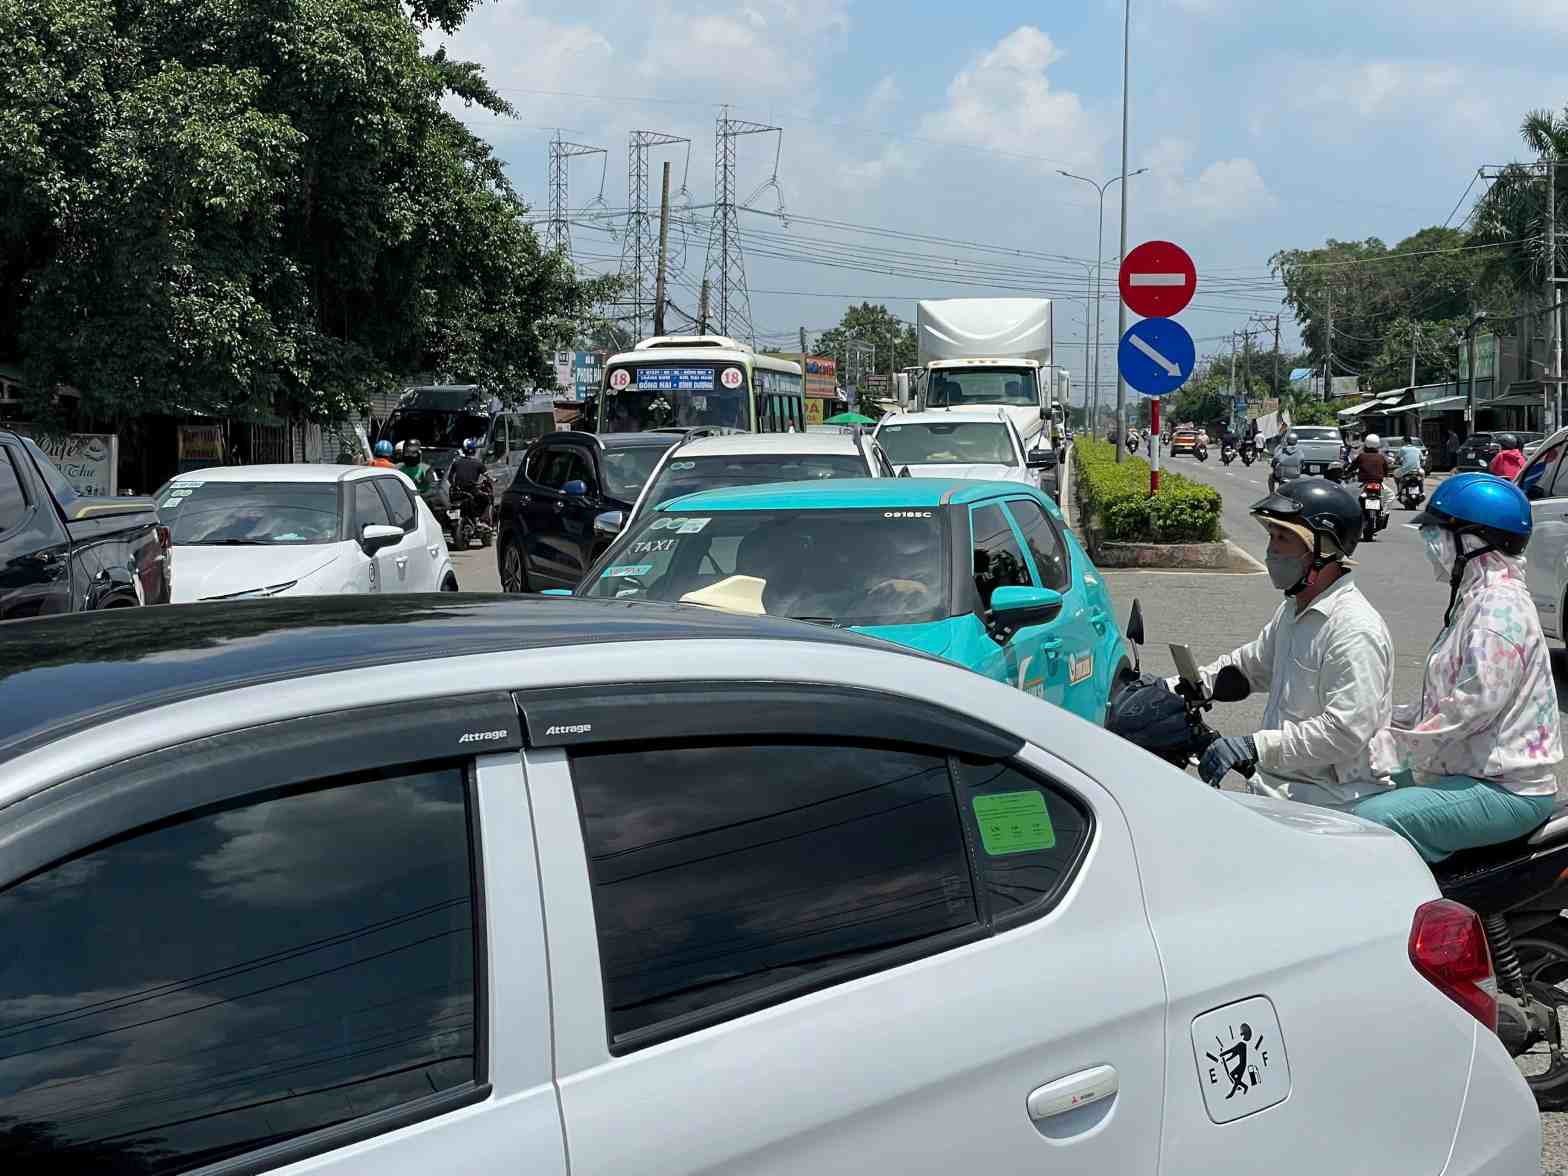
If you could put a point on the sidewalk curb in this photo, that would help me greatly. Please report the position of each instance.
(1221, 558)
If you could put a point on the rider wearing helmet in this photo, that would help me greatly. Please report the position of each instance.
(383, 458)
(1473, 759)
(414, 466)
(1325, 657)
(1287, 461)
(1510, 458)
(1372, 465)
(466, 471)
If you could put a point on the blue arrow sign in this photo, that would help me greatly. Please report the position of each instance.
(1156, 356)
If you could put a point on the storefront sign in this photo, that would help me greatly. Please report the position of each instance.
(88, 460)
(199, 445)
(817, 410)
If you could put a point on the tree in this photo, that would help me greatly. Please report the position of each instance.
(874, 325)
(259, 208)
(1429, 278)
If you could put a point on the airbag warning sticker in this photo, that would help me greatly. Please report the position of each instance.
(1013, 822)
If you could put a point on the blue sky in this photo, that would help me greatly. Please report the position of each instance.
(1265, 125)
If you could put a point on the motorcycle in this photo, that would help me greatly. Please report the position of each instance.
(1373, 517)
(1248, 455)
(1227, 454)
(1200, 451)
(1412, 489)
(475, 508)
(1518, 890)
(438, 499)
(1132, 442)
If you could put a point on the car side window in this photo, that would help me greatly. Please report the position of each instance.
(209, 986)
(368, 508)
(399, 503)
(13, 503)
(1028, 838)
(499, 440)
(579, 468)
(1546, 472)
(998, 560)
(1045, 543)
(768, 869)
(554, 462)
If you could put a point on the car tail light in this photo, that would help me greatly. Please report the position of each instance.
(164, 540)
(1448, 947)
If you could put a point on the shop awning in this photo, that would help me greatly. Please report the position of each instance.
(1356, 410)
(1445, 404)
(1513, 400)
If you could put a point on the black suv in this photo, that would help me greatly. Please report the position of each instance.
(546, 536)
(1479, 449)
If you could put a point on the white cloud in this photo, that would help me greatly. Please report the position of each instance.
(765, 47)
(1004, 101)
(884, 97)
(1225, 190)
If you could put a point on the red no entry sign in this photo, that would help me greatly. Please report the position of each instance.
(1158, 279)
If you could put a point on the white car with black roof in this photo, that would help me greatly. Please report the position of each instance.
(969, 444)
(395, 885)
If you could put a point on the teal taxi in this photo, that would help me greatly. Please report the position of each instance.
(984, 574)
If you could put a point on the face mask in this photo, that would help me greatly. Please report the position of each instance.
(1440, 552)
(1286, 571)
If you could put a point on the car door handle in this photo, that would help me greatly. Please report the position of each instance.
(559, 505)
(1097, 618)
(402, 562)
(1051, 647)
(1076, 1090)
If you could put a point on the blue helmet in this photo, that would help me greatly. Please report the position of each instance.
(1483, 504)
(383, 449)
(470, 447)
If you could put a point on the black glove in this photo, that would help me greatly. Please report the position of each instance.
(1225, 753)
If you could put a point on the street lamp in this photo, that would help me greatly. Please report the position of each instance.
(1099, 264)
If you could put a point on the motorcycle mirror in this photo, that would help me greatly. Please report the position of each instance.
(1231, 685)
(1135, 623)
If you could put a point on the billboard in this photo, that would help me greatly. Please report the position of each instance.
(88, 460)
(578, 374)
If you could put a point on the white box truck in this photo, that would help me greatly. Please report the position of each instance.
(980, 353)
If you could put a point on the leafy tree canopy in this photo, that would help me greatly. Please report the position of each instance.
(258, 205)
(873, 324)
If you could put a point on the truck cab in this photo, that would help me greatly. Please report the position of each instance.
(980, 354)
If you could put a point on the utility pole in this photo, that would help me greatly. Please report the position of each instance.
(1548, 421)
(803, 342)
(702, 309)
(1121, 315)
(664, 253)
(725, 260)
(1233, 367)
(637, 248)
(1415, 337)
(1328, 359)
(558, 235)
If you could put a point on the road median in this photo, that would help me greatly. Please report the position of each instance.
(1126, 527)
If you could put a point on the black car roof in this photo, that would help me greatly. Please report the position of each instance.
(64, 674)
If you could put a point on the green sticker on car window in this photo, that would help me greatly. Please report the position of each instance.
(1013, 822)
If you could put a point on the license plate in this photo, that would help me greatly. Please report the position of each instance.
(454, 514)
(1312, 467)
(1374, 505)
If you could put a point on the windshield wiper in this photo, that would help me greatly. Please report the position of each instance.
(233, 543)
(819, 621)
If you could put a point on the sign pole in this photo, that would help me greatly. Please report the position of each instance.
(1154, 440)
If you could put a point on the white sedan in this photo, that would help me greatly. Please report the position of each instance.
(241, 532)
(961, 445)
(625, 889)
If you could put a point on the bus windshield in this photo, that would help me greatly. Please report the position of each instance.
(952, 387)
(676, 395)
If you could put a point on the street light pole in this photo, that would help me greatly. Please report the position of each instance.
(1121, 307)
(1099, 278)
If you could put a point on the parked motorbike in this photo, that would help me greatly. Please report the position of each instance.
(1373, 517)
(1412, 489)
(475, 508)
(1227, 454)
(1200, 451)
(1248, 455)
(1516, 891)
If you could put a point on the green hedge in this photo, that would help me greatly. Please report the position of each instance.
(1182, 512)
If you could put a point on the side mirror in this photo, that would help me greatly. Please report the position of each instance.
(576, 488)
(1040, 459)
(1014, 608)
(904, 473)
(374, 536)
(1231, 685)
(609, 523)
(1535, 493)
(1135, 623)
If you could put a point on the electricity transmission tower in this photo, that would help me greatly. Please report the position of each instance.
(725, 263)
(639, 248)
(558, 234)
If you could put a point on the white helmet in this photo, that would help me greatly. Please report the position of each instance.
(1372, 441)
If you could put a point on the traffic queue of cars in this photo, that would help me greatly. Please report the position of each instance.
(770, 816)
